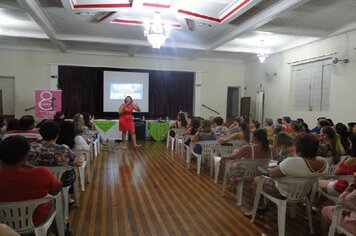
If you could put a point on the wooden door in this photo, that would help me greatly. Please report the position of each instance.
(245, 104)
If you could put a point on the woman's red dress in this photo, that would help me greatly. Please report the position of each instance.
(126, 122)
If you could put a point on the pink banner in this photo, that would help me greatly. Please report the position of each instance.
(47, 103)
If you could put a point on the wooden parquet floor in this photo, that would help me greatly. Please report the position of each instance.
(150, 191)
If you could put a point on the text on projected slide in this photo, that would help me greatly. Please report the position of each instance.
(120, 91)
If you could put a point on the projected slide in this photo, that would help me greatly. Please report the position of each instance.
(120, 91)
(118, 85)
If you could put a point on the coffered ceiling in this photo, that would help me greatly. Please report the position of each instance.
(200, 29)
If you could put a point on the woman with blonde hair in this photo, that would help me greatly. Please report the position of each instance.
(80, 128)
(331, 145)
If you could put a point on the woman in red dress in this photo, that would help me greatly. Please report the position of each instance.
(126, 122)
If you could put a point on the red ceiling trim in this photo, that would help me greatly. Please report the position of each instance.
(238, 7)
(219, 20)
(107, 15)
(108, 5)
(137, 22)
(156, 5)
(199, 15)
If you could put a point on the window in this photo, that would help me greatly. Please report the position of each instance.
(311, 86)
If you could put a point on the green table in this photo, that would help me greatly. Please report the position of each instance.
(158, 130)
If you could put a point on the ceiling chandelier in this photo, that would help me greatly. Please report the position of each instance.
(262, 55)
(156, 31)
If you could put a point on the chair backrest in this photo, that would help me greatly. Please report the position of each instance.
(18, 215)
(59, 170)
(250, 166)
(238, 143)
(178, 132)
(333, 166)
(299, 187)
(83, 153)
(207, 146)
(220, 150)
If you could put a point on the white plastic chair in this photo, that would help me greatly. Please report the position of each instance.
(336, 222)
(250, 172)
(332, 166)
(183, 146)
(96, 145)
(84, 169)
(216, 159)
(299, 187)
(207, 147)
(179, 139)
(58, 172)
(173, 140)
(237, 143)
(18, 215)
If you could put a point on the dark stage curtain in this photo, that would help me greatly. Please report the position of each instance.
(169, 91)
(82, 90)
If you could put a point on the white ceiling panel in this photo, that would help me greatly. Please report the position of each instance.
(200, 29)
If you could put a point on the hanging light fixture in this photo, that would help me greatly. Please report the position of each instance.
(156, 31)
(262, 55)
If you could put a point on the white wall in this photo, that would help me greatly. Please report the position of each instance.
(278, 98)
(31, 71)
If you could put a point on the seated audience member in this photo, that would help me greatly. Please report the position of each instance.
(330, 122)
(26, 125)
(74, 142)
(348, 200)
(243, 134)
(7, 231)
(204, 134)
(191, 130)
(13, 124)
(219, 128)
(305, 164)
(306, 127)
(286, 123)
(80, 128)
(345, 167)
(2, 126)
(254, 125)
(59, 116)
(181, 122)
(49, 153)
(296, 128)
(21, 181)
(268, 126)
(317, 128)
(330, 144)
(283, 146)
(88, 122)
(341, 129)
(259, 149)
(235, 126)
(280, 121)
(188, 119)
(277, 128)
(352, 127)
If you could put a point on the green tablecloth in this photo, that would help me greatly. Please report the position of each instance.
(105, 125)
(158, 130)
